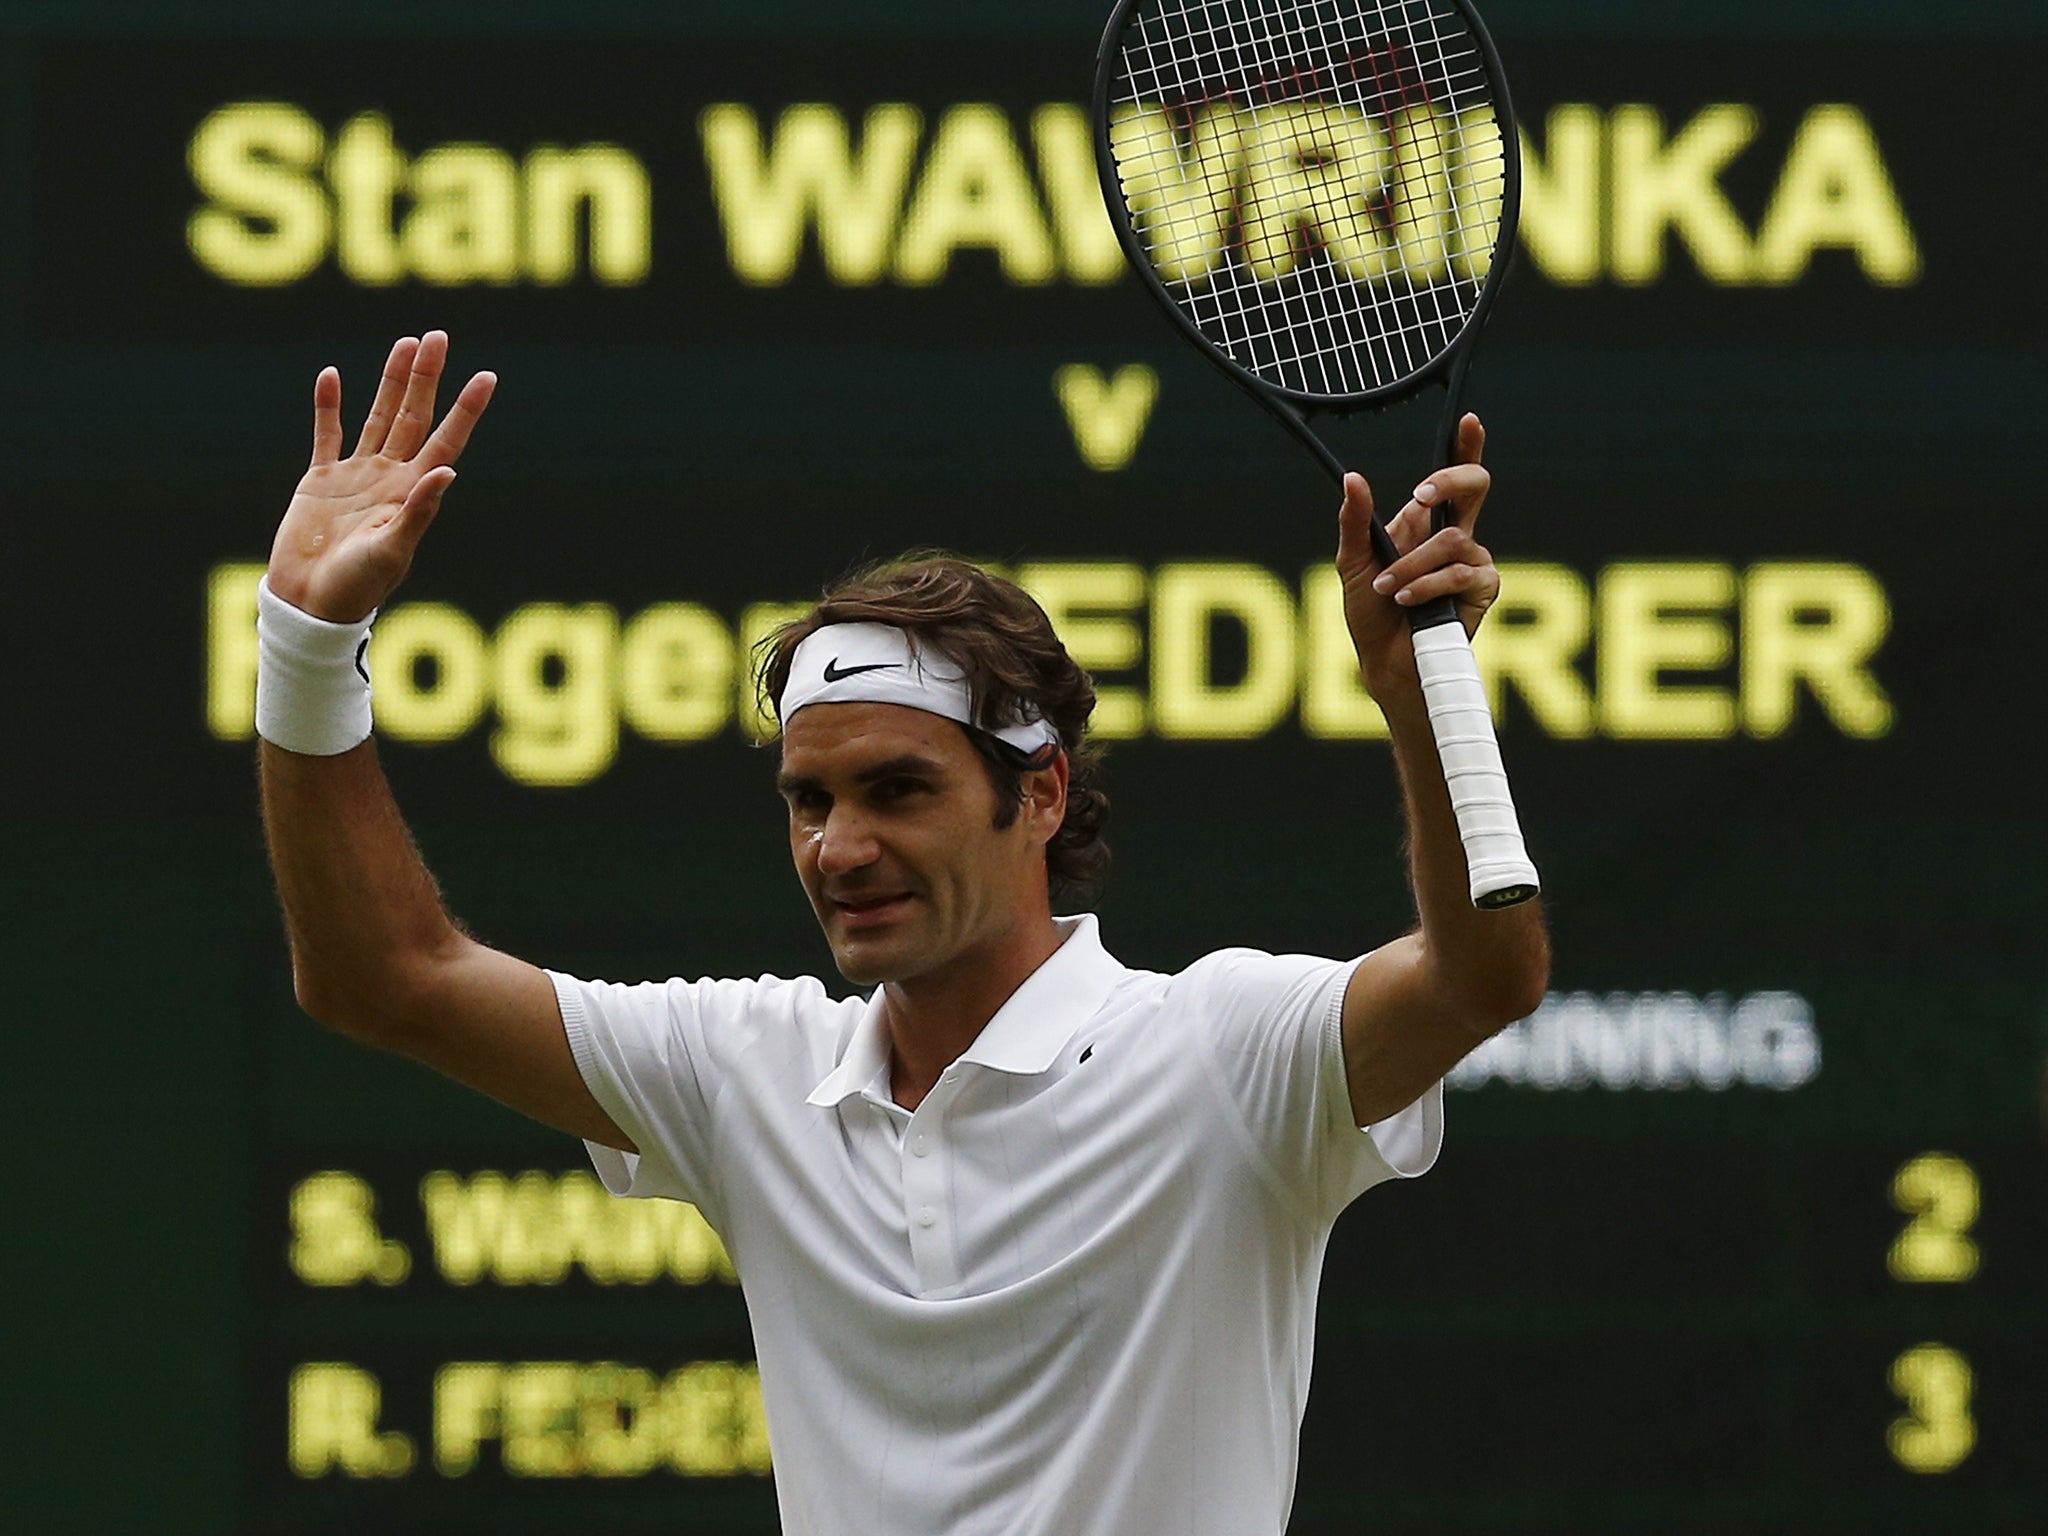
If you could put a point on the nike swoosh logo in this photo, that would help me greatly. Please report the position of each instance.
(834, 672)
(361, 651)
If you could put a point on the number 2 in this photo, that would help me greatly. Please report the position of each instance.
(1940, 1192)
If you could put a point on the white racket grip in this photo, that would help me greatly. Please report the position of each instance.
(1496, 861)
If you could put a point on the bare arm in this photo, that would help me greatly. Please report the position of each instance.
(374, 952)
(1415, 1007)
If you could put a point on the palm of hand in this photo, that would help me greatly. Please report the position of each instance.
(353, 525)
(338, 546)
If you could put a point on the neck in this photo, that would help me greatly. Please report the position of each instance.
(933, 1019)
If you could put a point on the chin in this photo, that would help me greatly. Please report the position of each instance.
(867, 964)
(861, 970)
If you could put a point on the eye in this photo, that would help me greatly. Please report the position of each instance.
(887, 791)
(812, 802)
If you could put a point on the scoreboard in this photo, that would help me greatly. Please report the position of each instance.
(1744, 1230)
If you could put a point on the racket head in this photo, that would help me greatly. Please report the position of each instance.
(1323, 194)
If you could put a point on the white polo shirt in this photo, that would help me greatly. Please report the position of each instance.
(1074, 1293)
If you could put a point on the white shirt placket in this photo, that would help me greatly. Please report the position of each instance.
(927, 1189)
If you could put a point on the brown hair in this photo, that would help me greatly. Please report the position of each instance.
(994, 632)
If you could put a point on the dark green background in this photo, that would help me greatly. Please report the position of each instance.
(1604, 1311)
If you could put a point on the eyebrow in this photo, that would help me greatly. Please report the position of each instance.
(913, 764)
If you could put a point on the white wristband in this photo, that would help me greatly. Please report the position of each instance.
(312, 678)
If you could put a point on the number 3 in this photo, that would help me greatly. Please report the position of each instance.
(1936, 1433)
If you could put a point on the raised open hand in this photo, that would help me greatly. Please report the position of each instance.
(348, 537)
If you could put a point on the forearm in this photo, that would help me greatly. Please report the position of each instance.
(1491, 966)
(363, 915)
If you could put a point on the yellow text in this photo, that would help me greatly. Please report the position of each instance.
(882, 200)
(564, 1419)
(891, 193)
(1640, 651)
(1938, 1430)
(1939, 1191)
(533, 1228)
(1613, 194)
(1106, 415)
(283, 195)
(331, 1425)
(335, 1238)
(887, 195)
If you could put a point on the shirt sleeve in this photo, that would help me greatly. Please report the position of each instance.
(646, 1053)
(1272, 1037)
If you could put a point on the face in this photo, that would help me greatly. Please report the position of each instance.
(892, 828)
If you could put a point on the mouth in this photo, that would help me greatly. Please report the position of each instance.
(856, 913)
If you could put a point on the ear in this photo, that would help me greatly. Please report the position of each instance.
(1045, 798)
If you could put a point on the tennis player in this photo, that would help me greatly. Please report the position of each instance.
(1030, 1239)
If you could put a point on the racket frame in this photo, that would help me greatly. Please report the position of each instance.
(1447, 367)
(1291, 407)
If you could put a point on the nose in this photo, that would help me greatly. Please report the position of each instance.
(844, 842)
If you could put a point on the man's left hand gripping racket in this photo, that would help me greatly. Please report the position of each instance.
(1323, 193)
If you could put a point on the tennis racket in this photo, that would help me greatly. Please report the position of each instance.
(1322, 194)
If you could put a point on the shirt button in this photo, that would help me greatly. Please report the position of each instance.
(927, 1217)
(922, 1145)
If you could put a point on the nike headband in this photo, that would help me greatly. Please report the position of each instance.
(880, 664)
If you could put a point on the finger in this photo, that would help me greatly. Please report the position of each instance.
(1456, 493)
(390, 390)
(1476, 583)
(1361, 541)
(327, 417)
(1471, 440)
(423, 503)
(1453, 546)
(452, 436)
(1409, 527)
(1355, 520)
(416, 411)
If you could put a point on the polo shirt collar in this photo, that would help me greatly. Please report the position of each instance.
(1027, 1032)
(866, 1061)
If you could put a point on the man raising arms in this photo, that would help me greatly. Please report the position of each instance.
(1030, 1240)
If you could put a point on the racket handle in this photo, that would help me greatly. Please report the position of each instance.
(1496, 861)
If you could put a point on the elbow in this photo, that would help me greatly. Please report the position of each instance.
(327, 1003)
(1505, 991)
(1518, 997)
(347, 1006)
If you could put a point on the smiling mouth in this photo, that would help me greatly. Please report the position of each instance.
(863, 911)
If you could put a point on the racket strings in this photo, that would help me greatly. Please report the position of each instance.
(1317, 182)
(1323, 302)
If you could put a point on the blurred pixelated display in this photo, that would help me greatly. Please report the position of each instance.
(1745, 1230)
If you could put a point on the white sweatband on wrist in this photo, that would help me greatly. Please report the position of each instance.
(312, 678)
